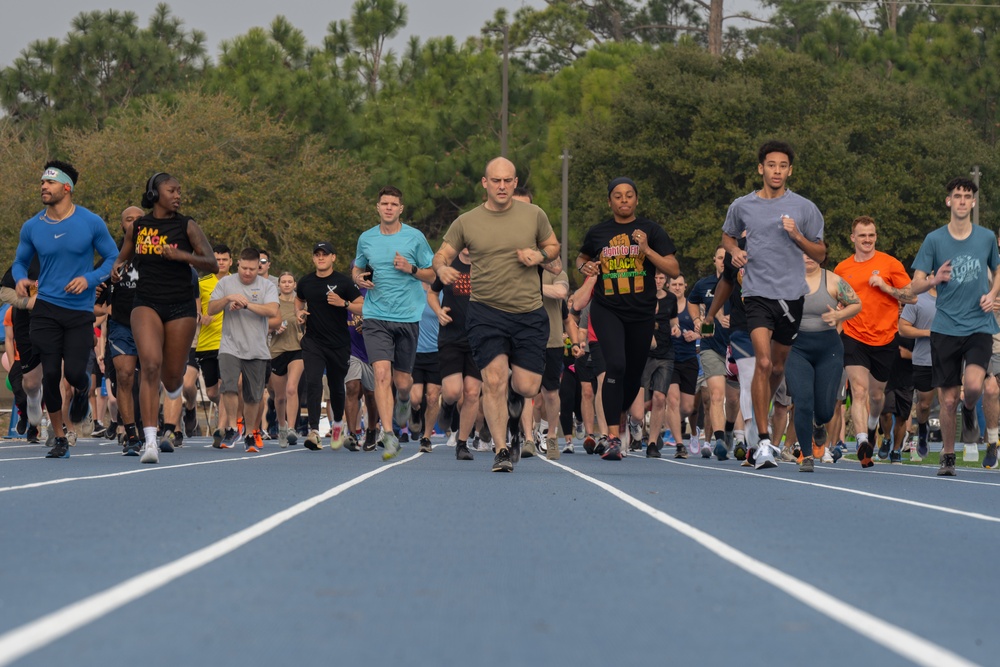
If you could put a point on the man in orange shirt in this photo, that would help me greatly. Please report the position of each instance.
(869, 351)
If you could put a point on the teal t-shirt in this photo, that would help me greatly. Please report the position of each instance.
(958, 311)
(397, 296)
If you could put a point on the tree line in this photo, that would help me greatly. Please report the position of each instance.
(279, 142)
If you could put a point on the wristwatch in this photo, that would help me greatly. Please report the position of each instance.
(413, 269)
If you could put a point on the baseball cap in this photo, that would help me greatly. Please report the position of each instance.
(325, 246)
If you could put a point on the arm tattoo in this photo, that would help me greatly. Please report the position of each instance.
(846, 294)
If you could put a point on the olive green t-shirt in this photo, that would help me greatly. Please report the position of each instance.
(499, 280)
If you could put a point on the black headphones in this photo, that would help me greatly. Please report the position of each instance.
(152, 194)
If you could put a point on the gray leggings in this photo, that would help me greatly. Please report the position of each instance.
(812, 374)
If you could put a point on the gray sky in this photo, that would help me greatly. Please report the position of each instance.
(25, 21)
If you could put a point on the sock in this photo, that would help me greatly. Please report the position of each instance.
(862, 437)
(150, 434)
(730, 426)
(130, 431)
(991, 436)
(872, 421)
(764, 436)
(720, 435)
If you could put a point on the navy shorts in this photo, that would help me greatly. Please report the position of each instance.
(520, 336)
(120, 340)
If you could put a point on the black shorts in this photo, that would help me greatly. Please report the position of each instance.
(779, 316)
(552, 376)
(948, 353)
(192, 358)
(898, 402)
(456, 359)
(279, 364)
(208, 362)
(686, 375)
(590, 366)
(168, 312)
(52, 326)
(426, 369)
(878, 360)
(922, 378)
(520, 336)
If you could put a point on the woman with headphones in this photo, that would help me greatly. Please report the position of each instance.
(164, 247)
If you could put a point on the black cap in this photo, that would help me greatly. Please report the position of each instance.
(325, 246)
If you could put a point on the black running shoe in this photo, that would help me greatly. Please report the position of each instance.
(190, 422)
(100, 430)
(681, 452)
(652, 451)
(865, 451)
(613, 451)
(132, 447)
(425, 446)
(60, 449)
(990, 460)
(501, 462)
(32, 434)
(462, 452)
(946, 469)
(515, 449)
(351, 443)
(371, 435)
(79, 406)
(602, 444)
(895, 456)
(884, 449)
(22, 422)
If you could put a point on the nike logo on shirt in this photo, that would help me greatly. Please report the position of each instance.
(58, 235)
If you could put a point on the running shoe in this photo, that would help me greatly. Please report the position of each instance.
(178, 439)
(580, 432)
(807, 464)
(391, 445)
(947, 467)
(371, 435)
(884, 449)
(60, 449)
(404, 437)
(635, 431)
(416, 421)
(283, 437)
(589, 444)
(706, 451)
(740, 451)
(190, 422)
(721, 453)
(602, 444)
(337, 434)
(568, 448)
(71, 438)
(312, 441)
(100, 430)
(819, 435)
(239, 425)
(132, 447)
(652, 451)
(896, 456)
(827, 456)
(425, 446)
(515, 448)
(351, 443)
(865, 451)
(694, 443)
(31, 435)
(787, 455)
(150, 453)
(167, 442)
(552, 449)
(452, 439)
(764, 457)
(258, 439)
(613, 450)
(229, 441)
(79, 406)
(681, 452)
(838, 452)
(970, 426)
(250, 443)
(528, 449)
(819, 451)
(990, 460)
(462, 452)
(922, 448)
(217, 438)
(501, 462)
(401, 413)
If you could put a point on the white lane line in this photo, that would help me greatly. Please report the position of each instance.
(143, 469)
(896, 639)
(32, 636)
(944, 480)
(72, 456)
(867, 494)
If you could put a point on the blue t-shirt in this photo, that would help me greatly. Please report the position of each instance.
(65, 251)
(703, 293)
(427, 338)
(397, 296)
(958, 312)
(775, 268)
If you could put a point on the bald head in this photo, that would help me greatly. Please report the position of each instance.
(500, 164)
(499, 181)
(130, 215)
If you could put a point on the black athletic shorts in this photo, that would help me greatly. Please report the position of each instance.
(552, 376)
(520, 336)
(208, 362)
(780, 316)
(922, 378)
(948, 353)
(878, 360)
(456, 358)
(898, 402)
(192, 358)
(169, 311)
(279, 364)
(426, 369)
(686, 375)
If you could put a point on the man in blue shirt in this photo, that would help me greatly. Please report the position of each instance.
(391, 261)
(958, 258)
(64, 237)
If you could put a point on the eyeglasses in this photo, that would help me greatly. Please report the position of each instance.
(264, 261)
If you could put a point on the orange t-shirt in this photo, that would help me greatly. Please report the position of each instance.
(878, 320)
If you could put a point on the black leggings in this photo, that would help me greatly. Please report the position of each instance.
(625, 346)
(65, 339)
(569, 400)
(316, 359)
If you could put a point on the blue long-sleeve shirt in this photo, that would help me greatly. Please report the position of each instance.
(65, 251)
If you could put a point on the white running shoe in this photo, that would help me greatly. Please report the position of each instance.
(452, 439)
(827, 456)
(151, 453)
(764, 458)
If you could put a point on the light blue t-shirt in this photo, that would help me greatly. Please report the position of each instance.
(775, 268)
(921, 316)
(958, 311)
(397, 296)
(427, 339)
(65, 251)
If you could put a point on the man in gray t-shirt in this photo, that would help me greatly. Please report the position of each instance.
(915, 322)
(780, 226)
(249, 300)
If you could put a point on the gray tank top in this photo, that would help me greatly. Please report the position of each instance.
(815, 305)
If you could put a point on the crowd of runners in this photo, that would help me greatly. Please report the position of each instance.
(487, 341)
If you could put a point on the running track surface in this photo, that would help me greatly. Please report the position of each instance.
(309, 558)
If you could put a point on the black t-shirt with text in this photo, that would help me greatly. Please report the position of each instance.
(163, 280)
(327, 324)
(456, 298)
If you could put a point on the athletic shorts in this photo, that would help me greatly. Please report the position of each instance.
(168, 312)
(656, 375)
(253, 371)
(898, 402)
(52, 326)
(395, 342)
(780, 316)
(426, 368)
(685, 375)
(279, 364)
(192, 358)
(877, 359)
(948, 353)
(359, 370)
(922, 378)
(552, 376)
(120, 340)
(740, 345)
(781, 396)
(456, 358)
(208, 362)
(93, 368)
(712, 363)
(590, 366)
(994, 368)
(522, 337)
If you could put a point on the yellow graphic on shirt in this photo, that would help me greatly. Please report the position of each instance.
(149, 241)
(622, 262)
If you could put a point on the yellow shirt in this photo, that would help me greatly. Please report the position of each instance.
(209, 335)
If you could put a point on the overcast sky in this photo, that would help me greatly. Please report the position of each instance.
(24, 21)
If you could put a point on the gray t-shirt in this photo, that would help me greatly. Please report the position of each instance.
(244, 333)
(775, 268)
(920, 315)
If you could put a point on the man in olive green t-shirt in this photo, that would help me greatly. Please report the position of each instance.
(507, 326)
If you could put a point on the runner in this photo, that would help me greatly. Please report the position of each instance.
(286, 360)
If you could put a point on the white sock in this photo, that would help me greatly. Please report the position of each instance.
(862, 437)
(150, 434)
(991, 436)
(872, 421)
